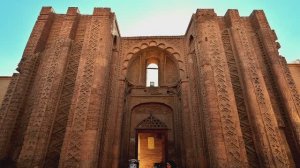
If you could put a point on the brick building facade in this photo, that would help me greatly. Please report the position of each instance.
(225, 97)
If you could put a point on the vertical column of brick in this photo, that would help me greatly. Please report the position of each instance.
(260, 108)
(65, 99)
(97, 128)
(107, 149)
(4, 116)
(85, 130)
(284, 81)
(236, 79)
(115, 160)
(40, 123)
(40, 32)
(189, 127)
(178, 131)
(11, 108)
(226, 146)
(192, 113)
(116, 147)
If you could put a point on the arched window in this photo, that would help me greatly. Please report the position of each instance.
(152, 75)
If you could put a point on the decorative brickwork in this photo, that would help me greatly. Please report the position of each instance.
(274, 153)
(151, 123)
(240, 101)
(73, 155)
(225, 98)
(63, 108)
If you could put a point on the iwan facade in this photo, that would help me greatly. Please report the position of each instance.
(220, 96)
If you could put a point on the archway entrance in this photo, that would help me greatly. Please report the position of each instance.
(151, 142)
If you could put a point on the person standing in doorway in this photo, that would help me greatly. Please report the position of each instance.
(171, 164)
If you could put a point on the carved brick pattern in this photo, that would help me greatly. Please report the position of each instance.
(283, 115)
(11, 112)
(293, 90)
(25, 111)
(271, 84)
(63, 108)
(103, 119)
(61, 118)
(34, 131)
(34, 37)
(4, 115)
(79, 118)
(291, 83)
(271, 130)
(240, 101)
(36, 108)
(7, 98)
(35, 88)
(27, 68)
(54, 35)
(228, 123)
(97, 117)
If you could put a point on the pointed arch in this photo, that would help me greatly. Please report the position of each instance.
(174, 54)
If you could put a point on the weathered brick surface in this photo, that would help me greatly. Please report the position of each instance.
(225, 97)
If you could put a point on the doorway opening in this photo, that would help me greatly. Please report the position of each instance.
(151, 147)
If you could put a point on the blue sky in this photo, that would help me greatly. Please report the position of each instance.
(143, 17)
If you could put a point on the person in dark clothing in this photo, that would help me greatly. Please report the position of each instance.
(171, 164)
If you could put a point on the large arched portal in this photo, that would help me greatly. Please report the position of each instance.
(153, 58)
(152, 127)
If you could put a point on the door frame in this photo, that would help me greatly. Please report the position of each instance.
(163, 131)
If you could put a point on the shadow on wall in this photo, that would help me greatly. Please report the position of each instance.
(7, 163)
